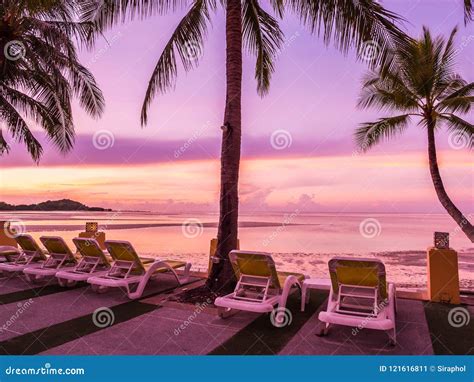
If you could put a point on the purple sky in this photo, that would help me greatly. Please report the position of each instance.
(313, 97)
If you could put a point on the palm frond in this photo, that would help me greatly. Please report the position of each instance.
(463, 127)
(353, 24)
(371, 133)
(187, 39)
(40, 86)
(19, 130)
(460, 99)
(107, 13)
(263, 37)
(85, 87)
(462, 104)
(468, 11)
(387, 93)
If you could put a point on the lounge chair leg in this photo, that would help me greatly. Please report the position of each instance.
(226, 312)
(323, 330)
(392, 335)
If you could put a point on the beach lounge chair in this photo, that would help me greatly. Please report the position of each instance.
(30, 256)
(60, 257)
(130, 272)
(9, 253)
(360, 296)
(259, 287)
(94, 262)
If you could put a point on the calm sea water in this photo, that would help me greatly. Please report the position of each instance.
(299, 242)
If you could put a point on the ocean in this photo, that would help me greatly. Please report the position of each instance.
(302, 242)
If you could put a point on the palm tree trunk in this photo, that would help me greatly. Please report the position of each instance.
(222, 277)
(443, 197)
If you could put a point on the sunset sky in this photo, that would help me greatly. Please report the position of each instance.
(173, 163)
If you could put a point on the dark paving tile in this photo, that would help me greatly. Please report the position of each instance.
(412, 336)
(158, 332)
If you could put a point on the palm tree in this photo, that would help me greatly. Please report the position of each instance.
(40, 72)
(421, 83)
(348, 24)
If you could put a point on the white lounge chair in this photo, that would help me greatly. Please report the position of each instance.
(259, 287)
(94, 262)
(360, 296)
(60, 257)
(130, 272)
(31, 255)
(9, 253)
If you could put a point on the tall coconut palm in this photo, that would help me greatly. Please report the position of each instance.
(40, 72)
(347, 23)
(421, 83)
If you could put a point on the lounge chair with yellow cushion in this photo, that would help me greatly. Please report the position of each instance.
(9, 253)
(94, 262)
(129, 271)
(30, 256)
(259, 286)
(60, 258)
(360, 296)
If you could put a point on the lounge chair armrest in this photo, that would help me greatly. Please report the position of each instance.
(290, 282)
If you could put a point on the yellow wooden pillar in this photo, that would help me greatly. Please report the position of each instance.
(92, 232)
(443, 275)
(6, 234)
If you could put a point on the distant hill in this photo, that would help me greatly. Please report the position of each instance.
(51, 205)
